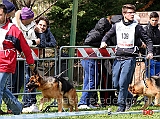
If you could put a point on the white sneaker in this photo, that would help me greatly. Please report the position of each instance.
(34, 108)
(26, 110)
(83, 107)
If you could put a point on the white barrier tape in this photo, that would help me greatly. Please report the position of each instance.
(66, 114)
(52, 115)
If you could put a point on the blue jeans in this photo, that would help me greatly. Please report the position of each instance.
(5, 94)
(28, 99)
(122, 76)
(154, 68)
(16, 81)
(90, 67)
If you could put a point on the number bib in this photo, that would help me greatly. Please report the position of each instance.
(125, 35)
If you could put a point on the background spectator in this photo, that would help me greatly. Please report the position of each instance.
(154, 33)
(90, 66)
(24, 21)
(11, 9)
(43, 32)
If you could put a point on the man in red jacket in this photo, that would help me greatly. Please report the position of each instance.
(11, 40)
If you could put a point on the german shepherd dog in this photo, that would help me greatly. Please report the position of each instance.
(54, 88)
(150, 87)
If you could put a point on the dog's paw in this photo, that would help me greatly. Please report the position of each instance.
(157, 105)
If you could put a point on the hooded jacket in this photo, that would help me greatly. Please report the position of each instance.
(28, 31)
(14, 40)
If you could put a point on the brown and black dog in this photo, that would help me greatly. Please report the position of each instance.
(150, 87)
(54, 88)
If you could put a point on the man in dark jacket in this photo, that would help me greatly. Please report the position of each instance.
(90, 66)
(95, 36)
(43, 32)
(154, 33)
(128, 33)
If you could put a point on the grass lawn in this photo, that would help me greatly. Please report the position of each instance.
(101, 116)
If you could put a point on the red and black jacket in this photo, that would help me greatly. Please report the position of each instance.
(14, 40)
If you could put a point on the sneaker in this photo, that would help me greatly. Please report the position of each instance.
(26, 110)
(83, 107)
(34, 108)
(92, 107)
(120, 110)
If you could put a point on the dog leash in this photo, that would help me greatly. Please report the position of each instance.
(84, 59)
(143, 72)
(89, 56)
(78, 62)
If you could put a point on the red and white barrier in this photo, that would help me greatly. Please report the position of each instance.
(95, 52)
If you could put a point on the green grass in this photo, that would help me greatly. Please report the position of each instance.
(100, 116)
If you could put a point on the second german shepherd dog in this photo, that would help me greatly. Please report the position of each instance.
(54, 88)
(150, 87)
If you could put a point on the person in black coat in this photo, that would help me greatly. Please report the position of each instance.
(154, 33)
(95, 36)
(90, 66)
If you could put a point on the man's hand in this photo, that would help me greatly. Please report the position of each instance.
(143, 45)
(37, 41)
(149, 56)
(32, 66)
(103, 45)
(38, 29)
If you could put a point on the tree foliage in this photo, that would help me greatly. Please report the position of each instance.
(89, 12)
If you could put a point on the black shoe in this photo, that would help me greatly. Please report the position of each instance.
(120, 109)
